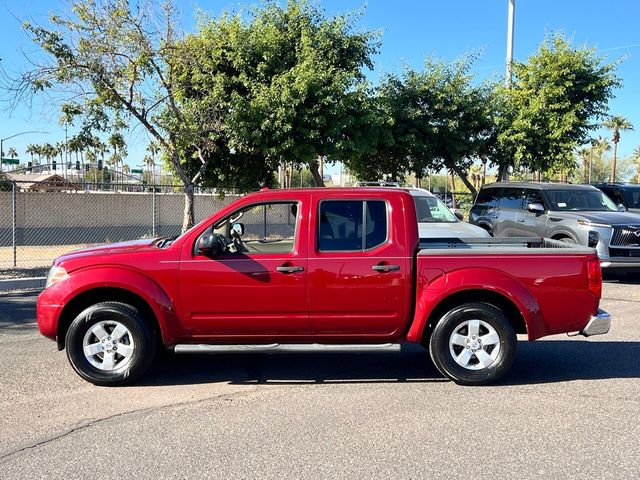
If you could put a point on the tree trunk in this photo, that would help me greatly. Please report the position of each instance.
(314, 168)
(484, 171)
(613, 162)
(453, 190)
(188, 217)
(465, 180)
(418, 179)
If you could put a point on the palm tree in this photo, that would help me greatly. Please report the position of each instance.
(31, 150)
(584, 154)
(616, 124)
(635, 157)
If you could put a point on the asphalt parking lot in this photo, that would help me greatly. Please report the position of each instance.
(569, 408)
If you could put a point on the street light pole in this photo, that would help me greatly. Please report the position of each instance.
(10, 137)
(510, 29)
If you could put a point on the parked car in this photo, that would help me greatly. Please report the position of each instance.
(624, 194)
(579, 214)
(436, 220)
(348, 267)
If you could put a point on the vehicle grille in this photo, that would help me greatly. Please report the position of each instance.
(626, 236)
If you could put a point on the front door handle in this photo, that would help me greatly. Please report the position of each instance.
(289, 269)
(385, 268)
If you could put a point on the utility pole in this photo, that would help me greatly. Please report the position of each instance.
(507, 81)
(510, 29)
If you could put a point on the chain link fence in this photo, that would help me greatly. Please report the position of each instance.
(40, 221)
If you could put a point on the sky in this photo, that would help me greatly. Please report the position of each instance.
(410, 30)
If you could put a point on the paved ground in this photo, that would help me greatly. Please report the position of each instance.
(569, 409)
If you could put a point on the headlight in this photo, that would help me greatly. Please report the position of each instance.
(55, 275)
(593, 224)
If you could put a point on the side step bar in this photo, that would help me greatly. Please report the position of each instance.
(287, 347)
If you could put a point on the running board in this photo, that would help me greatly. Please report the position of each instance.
(287, 347)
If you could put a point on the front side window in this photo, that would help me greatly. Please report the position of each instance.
(511, 198)
(533, 196)
(351, 225)
(262, 228)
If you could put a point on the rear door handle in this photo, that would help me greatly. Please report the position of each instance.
(289, 269)
(385, 268)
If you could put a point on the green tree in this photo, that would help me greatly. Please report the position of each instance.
(115, 60)
(635, 158)
(289, 77)
(616, 124)
(554, 102)
(436, 118)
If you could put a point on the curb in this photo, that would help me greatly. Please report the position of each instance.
(23, 283)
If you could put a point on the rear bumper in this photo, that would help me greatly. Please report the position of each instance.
(598, 325)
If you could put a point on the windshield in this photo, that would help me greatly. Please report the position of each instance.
(580, 201)
(432, 210)
(633, 197)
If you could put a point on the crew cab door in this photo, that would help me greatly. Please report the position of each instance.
(259, 287)
(359, 271)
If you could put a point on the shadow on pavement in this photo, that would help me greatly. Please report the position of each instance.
(537, 362)
(18, 311)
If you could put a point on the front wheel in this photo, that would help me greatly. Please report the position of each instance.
(473, 344)
(110, 344)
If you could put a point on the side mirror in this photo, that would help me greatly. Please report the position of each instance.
(459, 215)
(208, 245)
(238, 229)
(622, 208)
(535, 208)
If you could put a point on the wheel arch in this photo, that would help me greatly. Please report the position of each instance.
(511, 311)
(105, 294)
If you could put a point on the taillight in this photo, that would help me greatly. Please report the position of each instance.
(595, 277)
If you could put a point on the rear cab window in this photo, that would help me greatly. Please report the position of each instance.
(351, 225)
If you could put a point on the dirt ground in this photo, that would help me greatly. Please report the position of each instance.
(31, 261)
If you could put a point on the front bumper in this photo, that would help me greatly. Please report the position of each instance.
(598, 325)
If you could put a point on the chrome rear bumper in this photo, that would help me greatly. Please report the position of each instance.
(598, 325)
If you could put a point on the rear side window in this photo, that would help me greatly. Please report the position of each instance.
(488, 197)
(511, 198)
(352, 225)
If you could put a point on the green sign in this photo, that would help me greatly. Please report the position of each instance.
(11, 161)
(135, 170)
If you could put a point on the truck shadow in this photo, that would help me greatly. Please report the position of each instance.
(626, 277)
(537, 362)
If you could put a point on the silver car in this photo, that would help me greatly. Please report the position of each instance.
(435, 220)
(579, 214)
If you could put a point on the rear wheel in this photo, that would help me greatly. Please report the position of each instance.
(473, 344)
(110, 344)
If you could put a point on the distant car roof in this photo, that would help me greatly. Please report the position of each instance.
(619, 185)
(541, 185)
(379, 183)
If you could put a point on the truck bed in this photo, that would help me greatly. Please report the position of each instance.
(432, 246)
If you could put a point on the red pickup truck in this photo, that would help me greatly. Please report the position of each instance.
(321, 268)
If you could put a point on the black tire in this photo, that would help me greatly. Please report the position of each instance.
(568, 240)
(502, 353)
(138, 342)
